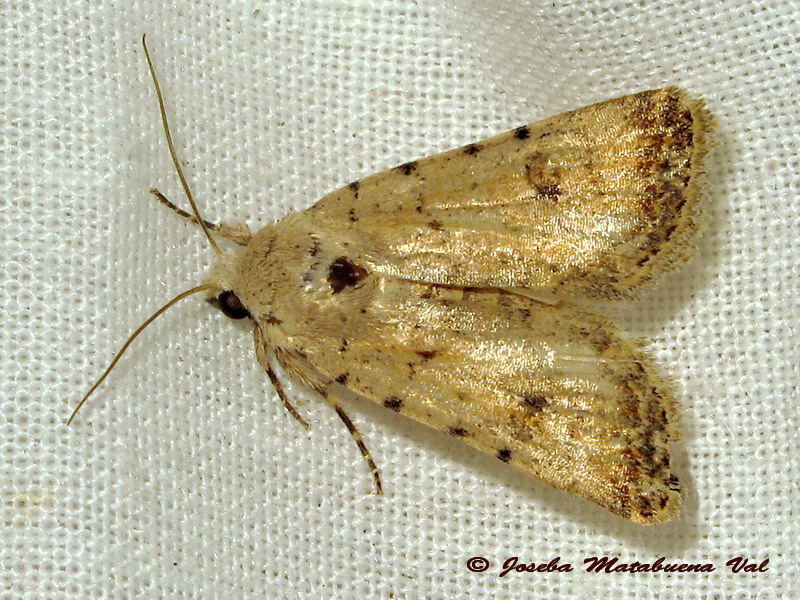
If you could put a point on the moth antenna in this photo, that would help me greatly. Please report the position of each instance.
(240, 234)
(172, 153)
(179, 211)
(133, 336)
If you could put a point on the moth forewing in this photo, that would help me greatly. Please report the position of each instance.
(552, 390)
(589, 203)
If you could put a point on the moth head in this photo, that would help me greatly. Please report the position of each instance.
(218, 285)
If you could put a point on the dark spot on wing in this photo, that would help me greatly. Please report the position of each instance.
(436, 225)
(647, 449)
(535, 402)
(642, 114)
(352, 215)
(472, 149)
(427, 354)
(548, 190)
(645, 506)
(394, 403)
(504, 455)
(671, 114)
(342, 378)
(600, 340)
(408, 168)
(541, 174)
(458, 432)
(344, 273)
(354, 187)
(522, 133)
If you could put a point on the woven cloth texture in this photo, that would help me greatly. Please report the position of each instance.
(184, 476)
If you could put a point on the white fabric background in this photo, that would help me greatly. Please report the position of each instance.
(184, 477)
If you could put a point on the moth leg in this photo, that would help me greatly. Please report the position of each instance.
(357, 437)
(239, 233)
(295, 365)
(262, 355)
(276, 383)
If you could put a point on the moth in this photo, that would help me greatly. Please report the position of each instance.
(464, 291)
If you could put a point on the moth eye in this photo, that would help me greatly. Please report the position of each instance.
(231, 306)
